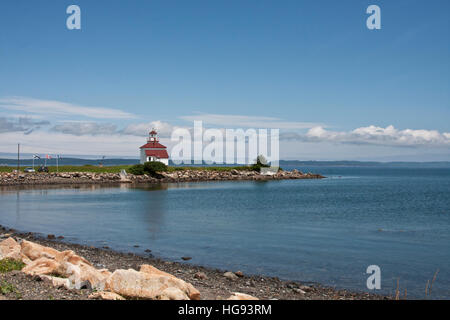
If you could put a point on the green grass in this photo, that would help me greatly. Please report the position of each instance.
(85, 168)
(172, 169)
(90, 168)
(7, 265)
(6, 288)
(116, 169)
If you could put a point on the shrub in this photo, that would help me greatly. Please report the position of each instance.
(7, 265)
(137, 169)
(7, 288)
(261, 162)
(154, 166)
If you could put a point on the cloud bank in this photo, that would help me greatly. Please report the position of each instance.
(373, 135)
(48, 126)
(58, 108)
(21, 124)
(79, 128)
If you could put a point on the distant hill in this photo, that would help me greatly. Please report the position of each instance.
(69, 162)
(283, 163)
(298, 163)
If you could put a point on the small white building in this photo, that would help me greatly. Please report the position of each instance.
(153, 150)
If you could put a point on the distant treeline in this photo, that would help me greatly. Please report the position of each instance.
(297, 163)
(283, 163)
(69, 162)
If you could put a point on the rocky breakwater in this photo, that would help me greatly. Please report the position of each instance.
(58, 178)
(217, 175)
(68, 270)
(171, 176)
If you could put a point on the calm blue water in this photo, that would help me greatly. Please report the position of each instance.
(327, 231)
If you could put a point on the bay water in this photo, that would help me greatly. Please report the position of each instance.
(324, 231)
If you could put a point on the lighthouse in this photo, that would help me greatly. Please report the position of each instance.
(153, 150)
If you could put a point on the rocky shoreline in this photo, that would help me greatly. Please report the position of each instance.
(11, 179)
(196, 282)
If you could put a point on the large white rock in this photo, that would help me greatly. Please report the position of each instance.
(75, 270)
(35, 251)
(9, 248)
(57, 281)
(193, 293)
(134, 284)
(42, 266)
(79, 270)
(71, 257)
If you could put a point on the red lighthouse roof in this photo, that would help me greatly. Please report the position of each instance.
(153, 145)
(162, 154)
(153, 142)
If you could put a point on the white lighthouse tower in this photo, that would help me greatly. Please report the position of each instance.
(153, 150)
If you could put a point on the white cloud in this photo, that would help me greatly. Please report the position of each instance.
(60, 143)
(24, 124)
(315, 143)
(106, 138)
(164, 129)
(389, 136)
(80, 128)
(50, 107)
(239, 121)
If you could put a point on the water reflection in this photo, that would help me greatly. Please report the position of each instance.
(72, 207)
(296, 229)
(17, 207)
(154, 208)
(8, 189)
(125, 186)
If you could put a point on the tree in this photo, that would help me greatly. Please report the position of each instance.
(153, 167)
(261, 162)
(137, 169)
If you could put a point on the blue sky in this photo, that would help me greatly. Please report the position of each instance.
(298, 65)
